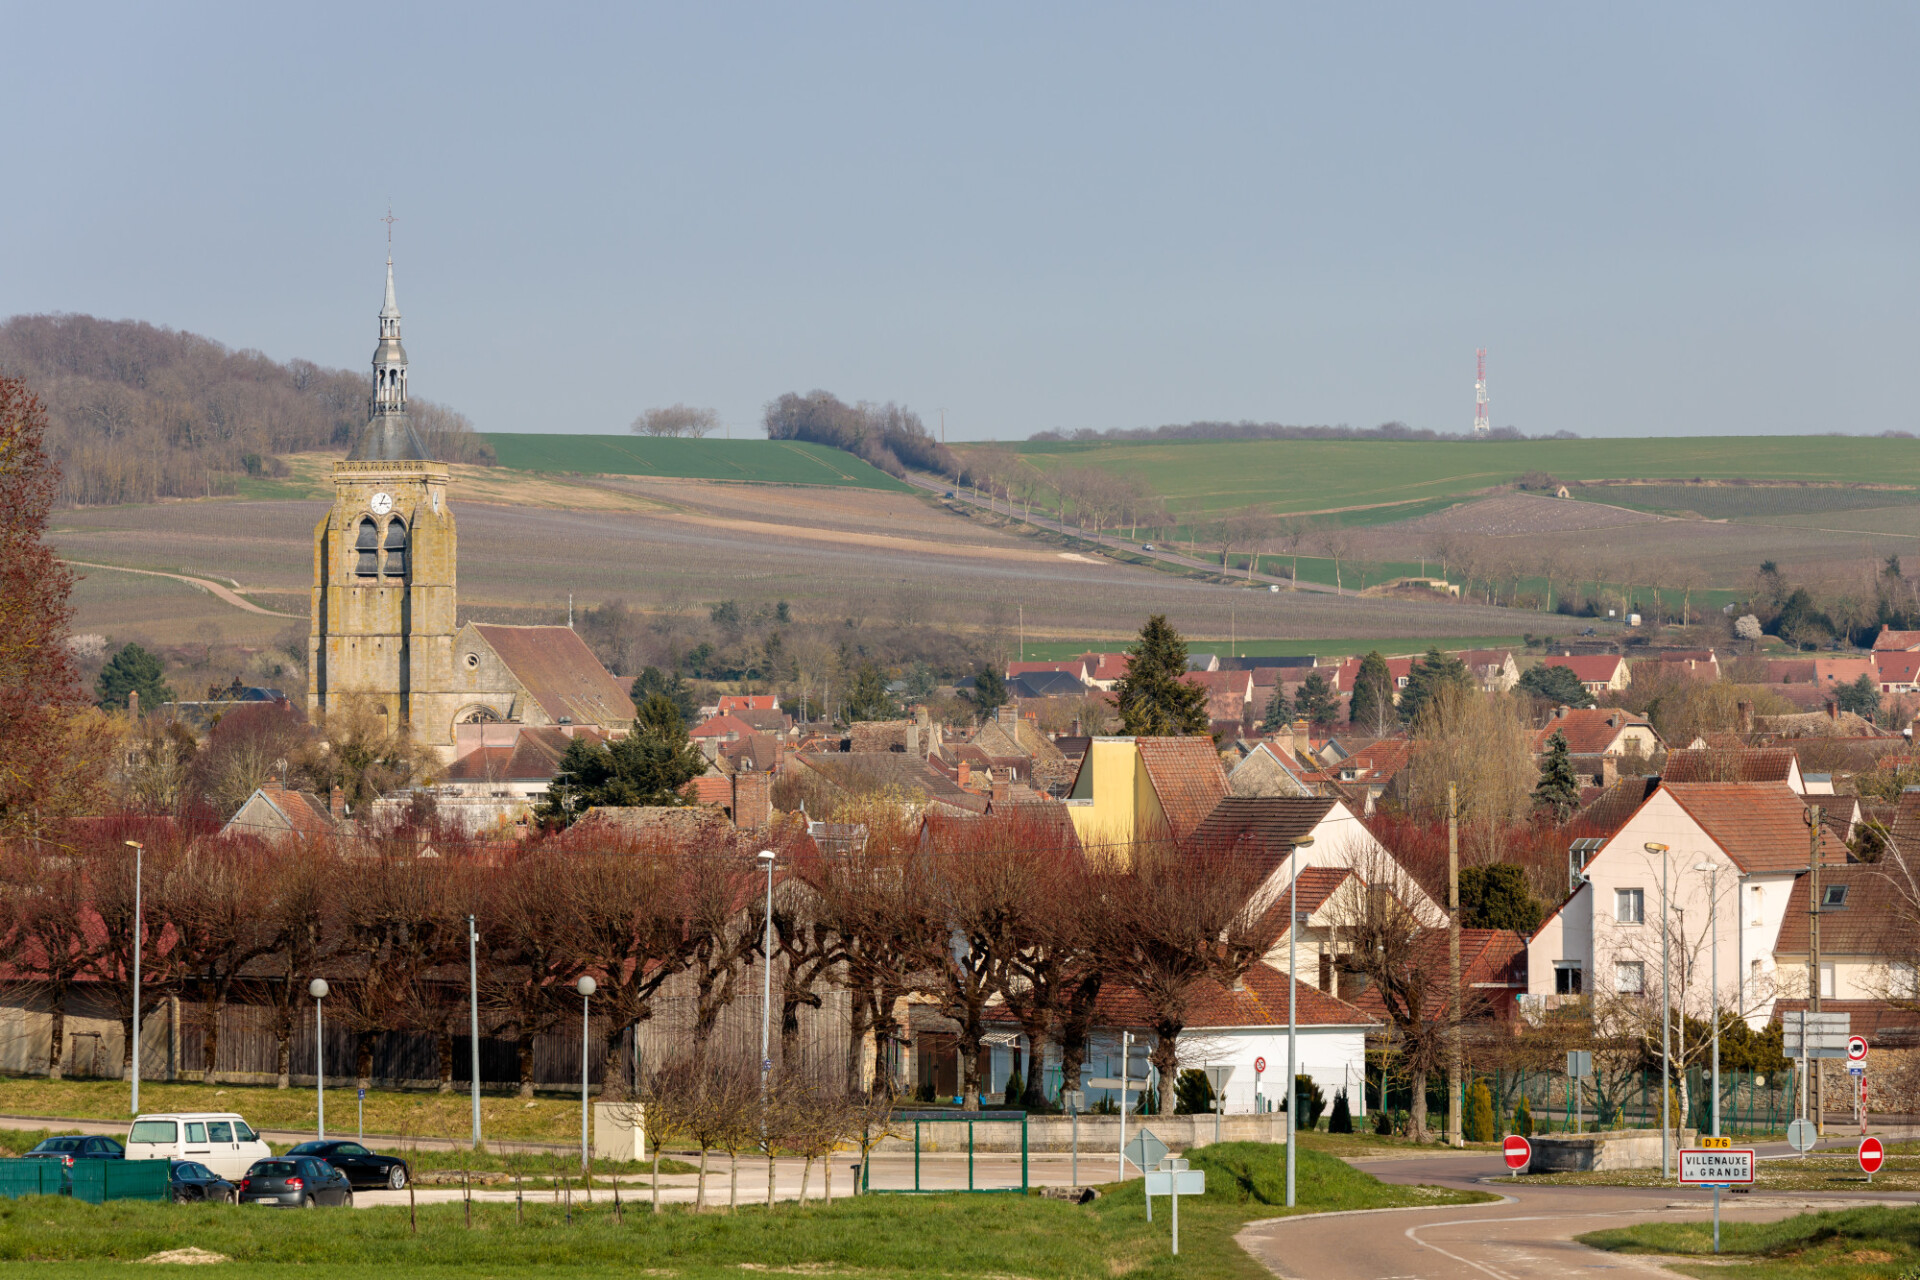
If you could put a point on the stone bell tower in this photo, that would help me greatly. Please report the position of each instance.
(383, 564)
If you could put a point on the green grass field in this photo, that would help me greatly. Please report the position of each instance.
(1209, 477)
(1851, 1244)
(1061, 650)
(942, 1235)
(752, 461)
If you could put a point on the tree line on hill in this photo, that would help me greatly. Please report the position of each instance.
(137, 412)
(889, 436)
(1245, 430)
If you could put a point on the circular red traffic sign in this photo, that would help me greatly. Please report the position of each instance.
(1871, 1154)
(1857, 1049)
(1517, 1150)
(1259, 1065)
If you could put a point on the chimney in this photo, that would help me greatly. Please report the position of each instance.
(752, 799)
(999, 792)
(1559, 713)
(337, 803)
(1074, 730)
(913, 741)
(1007, 715)
(1745, 709)
(1833, 709)
(133, 704)
(1609, 770)
(966, 775)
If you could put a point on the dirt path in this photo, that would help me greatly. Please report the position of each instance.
(226, 595)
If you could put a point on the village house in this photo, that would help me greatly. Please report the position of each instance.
(1494, 669)
(280, 816)
(1599, 731)
(1605, 938)
(1597, 673)
(1130, 789)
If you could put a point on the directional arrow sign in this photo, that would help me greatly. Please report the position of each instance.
(1115, 1082)
(1145, 1151)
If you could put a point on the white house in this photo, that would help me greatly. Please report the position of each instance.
(1606, 938)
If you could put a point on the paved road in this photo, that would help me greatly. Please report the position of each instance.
(225, 594)
(1527, 1236)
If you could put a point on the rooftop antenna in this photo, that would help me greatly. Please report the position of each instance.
(1480, 424)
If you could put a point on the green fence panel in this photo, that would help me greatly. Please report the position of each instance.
(31, 1178)
(98, 1181)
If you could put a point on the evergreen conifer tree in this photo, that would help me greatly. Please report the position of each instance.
(647, 767)
(1317, 702)
(1523, 1118)
(1371, 708)
(1477, 1124)
(1427, 674)
(652, 680)
(1155, 699)
(133, 670)
(1342, 1119)
(1279, 710)
(868, 699)
(1556, 685)
(1558, 790)
(989, 691)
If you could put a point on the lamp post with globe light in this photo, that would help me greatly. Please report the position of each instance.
(318, 990)
(1666, 1020)
(586, 987)
(139, 940)
(1293, 986)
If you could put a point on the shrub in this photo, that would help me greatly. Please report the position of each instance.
(1383, 1122)
(1523, 1118)
(1478, 1122)
(1015, 1087)
(1192, 1094)
(1342, 1121)
(1310, 1100)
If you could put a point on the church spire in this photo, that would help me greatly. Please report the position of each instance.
(388, 436)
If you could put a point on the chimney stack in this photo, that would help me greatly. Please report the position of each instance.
(966, 775)
(1833, 709)
(337, 803)
(913, 741)
(133, 704)
(1073, 730)
(752, 799)
(1745, 709)
(999, 792)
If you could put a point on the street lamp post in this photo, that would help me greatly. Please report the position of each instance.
(1293, 983)
(1713, 934)
(766, 857)
(586, 987)
(318, 990)
(139, 941)
(473, 1019)
(1666, 1017)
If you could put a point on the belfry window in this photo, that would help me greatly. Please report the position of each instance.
(396, 548)
(367, 563)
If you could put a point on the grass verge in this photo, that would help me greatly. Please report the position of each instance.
(1850, 1243)
(1811, 1173)
(948, 1235)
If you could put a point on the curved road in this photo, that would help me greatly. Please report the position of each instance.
(1529, 1236)
(225, 594)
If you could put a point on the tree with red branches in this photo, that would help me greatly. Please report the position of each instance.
(49, 767)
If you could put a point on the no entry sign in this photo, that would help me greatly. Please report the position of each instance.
(1872, 1155)
(1517, 1150)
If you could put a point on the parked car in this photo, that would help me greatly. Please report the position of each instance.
(952, 494)
(192, 1182)
(1148, 546)
(363, 1168)
(295, 1182)
(220, 1140)
(68, 1149)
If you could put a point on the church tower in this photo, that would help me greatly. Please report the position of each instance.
(383, 566)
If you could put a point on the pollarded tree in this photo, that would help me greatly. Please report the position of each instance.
(132, 670)
(1370, 709)
(1154, 698)
(1556, 685)
(1558, 791)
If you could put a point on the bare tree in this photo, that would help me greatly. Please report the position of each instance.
(1337, 544)
(676, 420)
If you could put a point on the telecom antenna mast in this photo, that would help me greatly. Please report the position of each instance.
(1480, 423)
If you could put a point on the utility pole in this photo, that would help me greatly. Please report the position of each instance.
(1454, 1136)
(1813, 957)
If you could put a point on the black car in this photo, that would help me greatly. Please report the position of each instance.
(74, 1147)
(362, 1167)
(297, 1182)
(191, 1182)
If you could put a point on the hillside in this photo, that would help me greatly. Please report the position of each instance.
(1397, 479)
(138, 412)
(761, 461)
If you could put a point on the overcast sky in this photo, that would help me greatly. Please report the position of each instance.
(1659, 219)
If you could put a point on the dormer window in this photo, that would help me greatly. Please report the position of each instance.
(1834, 897)
(367, 550)
(396, 558)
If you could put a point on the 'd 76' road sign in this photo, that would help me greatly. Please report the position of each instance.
(1703, 1167)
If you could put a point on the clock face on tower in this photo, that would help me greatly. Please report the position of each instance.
(381, 503)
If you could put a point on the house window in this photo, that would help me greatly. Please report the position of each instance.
(1630, 977)
(1566, 977)
(367, 545)
(1834, 898)
(396, 548)
(1630, 906)
(1753, 979)
(1759, 896)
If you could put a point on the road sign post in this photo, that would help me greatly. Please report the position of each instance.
(1146, 1152)
(1579, 1067)
(1872, 1155)
(1217, 1078)
(1518, 1153)
(1716, 1167)
(1173, 1179)
(1259, 1069)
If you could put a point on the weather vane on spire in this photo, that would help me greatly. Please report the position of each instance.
(389, 220)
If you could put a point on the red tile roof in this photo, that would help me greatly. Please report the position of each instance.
(1889, 639)
(560, 673)
(710, 788)
(1589, 668)
(1263, 827)
(1733, 764)
(719, 727)
(1897, 668)
(306, 814)
(748, 702)
(1589, 730)
(1106, 666)
(1187, 776)
(1376, 762)
(1761, 826)
(1492, 962)
(1260, 1000)
(533, 756)
(1873, 920)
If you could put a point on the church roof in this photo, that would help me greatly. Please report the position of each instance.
(389, 437)
(560, 673)
(390, 309)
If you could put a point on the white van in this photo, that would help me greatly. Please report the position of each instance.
(220, 1140)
